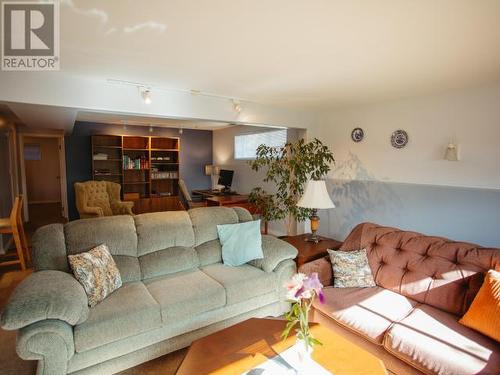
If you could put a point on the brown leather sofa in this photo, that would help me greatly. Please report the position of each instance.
(410, 319)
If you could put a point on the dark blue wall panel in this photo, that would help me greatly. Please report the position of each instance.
(196, 152)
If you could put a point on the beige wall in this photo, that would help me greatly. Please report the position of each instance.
(472, 117)
(42, 176)
(245, 179)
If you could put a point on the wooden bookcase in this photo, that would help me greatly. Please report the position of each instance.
(146, 167)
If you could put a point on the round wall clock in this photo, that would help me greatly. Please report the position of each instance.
(357, 134)
(399, 139)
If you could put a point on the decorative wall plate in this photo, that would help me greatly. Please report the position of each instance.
(399, 139)
(357, 134)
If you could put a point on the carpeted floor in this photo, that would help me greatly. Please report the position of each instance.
(11, 364)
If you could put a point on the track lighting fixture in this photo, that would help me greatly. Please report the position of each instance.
(146, 95)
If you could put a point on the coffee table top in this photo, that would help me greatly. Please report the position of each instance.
(243, 346)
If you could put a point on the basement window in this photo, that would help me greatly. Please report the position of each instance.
(245, 145)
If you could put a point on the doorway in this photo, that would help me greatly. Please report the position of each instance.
(44, 179)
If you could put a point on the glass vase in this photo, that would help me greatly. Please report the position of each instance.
(304, 353)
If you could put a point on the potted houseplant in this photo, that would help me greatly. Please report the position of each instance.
(301, 292)
(289, 168)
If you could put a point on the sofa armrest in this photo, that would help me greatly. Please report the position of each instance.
(46, 295)
(322, 266)
(122, 208)
(275, 251)
(50, 342)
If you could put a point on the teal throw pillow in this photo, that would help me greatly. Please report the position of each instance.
(241, 242)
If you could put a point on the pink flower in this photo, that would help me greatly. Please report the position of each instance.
(304, 287)
(294, 286)
(312, 283)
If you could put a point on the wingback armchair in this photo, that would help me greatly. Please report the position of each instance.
(100, 198)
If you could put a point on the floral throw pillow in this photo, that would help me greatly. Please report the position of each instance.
(97, 272)
(351, 269)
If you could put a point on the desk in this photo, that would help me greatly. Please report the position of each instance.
(228, 200)
(211, 193)
(236, 200)
(204, 193)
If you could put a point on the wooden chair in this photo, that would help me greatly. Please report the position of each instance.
(14, 225)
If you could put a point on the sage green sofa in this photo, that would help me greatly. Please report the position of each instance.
(175, 290)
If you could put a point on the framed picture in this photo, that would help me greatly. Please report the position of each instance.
(32, 151)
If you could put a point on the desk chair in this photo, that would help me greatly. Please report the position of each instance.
(14, 225)
(186, 199)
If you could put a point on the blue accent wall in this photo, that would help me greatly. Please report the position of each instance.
(196, 152)
(458, 213)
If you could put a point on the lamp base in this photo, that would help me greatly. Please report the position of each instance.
(314, 227)
(313, 238)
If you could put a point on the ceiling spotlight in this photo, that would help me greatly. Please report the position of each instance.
(146, 96)
(236, 105)
(151, 129)
(181, 131)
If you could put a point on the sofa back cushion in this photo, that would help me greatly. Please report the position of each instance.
(161, 230)
(206, 219)
(143, 246)
(431, 270)
(116, 232)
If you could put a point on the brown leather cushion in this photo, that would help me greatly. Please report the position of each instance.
(431, 270)
(367, 311)
(434, 342)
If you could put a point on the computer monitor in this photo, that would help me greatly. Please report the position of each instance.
(226, 178)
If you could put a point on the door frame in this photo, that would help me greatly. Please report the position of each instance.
(62, 170)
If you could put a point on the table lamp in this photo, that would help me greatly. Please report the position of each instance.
(315, 197)
(213, 172)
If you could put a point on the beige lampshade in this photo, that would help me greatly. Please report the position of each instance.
(211, 170)
(315, 196)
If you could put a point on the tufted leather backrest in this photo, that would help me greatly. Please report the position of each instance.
(431, 270)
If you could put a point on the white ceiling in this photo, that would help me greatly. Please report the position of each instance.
(126, 119)
(295, 53)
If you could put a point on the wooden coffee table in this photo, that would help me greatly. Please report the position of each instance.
(243, 346)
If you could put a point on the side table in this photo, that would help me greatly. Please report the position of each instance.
(309, 251)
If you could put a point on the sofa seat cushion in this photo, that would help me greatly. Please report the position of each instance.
(128, 311)
(369, 312)
(434, 342)
(186, 294)
(243, 282)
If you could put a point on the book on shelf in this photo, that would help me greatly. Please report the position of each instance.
(100, 156)
(135, 163)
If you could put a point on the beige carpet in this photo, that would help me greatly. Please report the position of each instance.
(11, 364)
